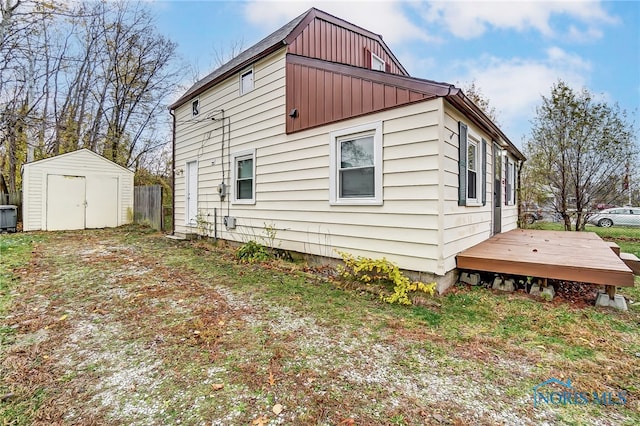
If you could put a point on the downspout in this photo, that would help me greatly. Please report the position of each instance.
(173, 171)
(229, 162)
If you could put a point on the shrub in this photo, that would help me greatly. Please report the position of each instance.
(253, 252)
(367, 270)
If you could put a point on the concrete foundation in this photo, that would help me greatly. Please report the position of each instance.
(470, 278)
(503, 285)
(443, 282)
(547, 293)
(182, 236)
(617, 302)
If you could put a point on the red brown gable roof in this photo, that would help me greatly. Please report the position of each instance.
(292, 33)
(334, 53)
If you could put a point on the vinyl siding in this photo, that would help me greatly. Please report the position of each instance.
(419, 225)
(463, 226)
(292, 175)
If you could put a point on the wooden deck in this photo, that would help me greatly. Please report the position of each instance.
(569, 256)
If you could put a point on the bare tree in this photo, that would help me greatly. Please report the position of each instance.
(81, 74)
(580, 148)
(473, 92)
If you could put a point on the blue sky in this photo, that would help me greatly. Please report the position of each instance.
(513, 50)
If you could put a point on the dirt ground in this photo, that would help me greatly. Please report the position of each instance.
(123, 327)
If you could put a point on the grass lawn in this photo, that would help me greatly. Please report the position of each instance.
(126, 326)
(628, 238)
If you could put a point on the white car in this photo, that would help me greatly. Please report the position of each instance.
(619, 216)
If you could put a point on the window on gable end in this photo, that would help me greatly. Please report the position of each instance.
(377, 63)
(195, 107)
(246, 81)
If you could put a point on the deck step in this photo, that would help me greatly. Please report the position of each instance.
(615, 247)
(632, 261)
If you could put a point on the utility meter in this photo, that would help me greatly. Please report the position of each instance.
(222, 190)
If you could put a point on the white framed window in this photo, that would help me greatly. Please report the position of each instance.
(472, 167)
(472, 171)
(243, 176)
(510, 182)
(195, 107)
(377, 63)
(355, 164)
(246, 81)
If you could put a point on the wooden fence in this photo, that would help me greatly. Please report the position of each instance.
(12, 198)
(147, 206)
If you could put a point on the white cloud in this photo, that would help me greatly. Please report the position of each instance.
(515, 86)
(382, 17)
(470, 19)
(576, 35)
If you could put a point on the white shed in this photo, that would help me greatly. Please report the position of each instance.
(77, 190)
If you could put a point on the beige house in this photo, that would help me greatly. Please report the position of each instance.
(319, 132)
(76, 190)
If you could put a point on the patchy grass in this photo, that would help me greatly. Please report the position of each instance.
(613, 233)
(126, 326)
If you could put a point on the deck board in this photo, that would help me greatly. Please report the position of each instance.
(561, 255)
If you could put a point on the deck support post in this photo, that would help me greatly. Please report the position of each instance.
(611, 291)
(608, 297)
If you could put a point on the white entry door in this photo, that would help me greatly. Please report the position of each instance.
(192, 192)
(102, 202)
(65, 202)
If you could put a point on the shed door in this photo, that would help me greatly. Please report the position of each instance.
(192, 192)
(102, 202)
(65, 202)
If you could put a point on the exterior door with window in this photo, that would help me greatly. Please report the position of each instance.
(497, 190)
(191, 172)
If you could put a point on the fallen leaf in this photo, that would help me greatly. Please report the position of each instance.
(196, 332)
(260, 421)
(277, 409)
(272, 380)
(439, 418)
(348, 421)
(62, 318)
(6, 397)
(217, 386)
(220, 322)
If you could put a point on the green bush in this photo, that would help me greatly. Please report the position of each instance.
(253, 252)
(367, 270)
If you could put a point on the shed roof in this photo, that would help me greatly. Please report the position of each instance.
(75, 153)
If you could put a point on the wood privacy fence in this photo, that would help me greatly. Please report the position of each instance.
(12, 198)
(147, 206)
